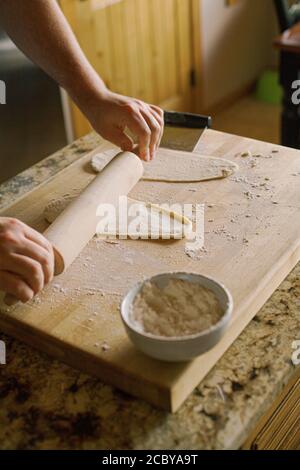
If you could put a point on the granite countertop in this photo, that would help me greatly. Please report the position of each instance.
(46, 404)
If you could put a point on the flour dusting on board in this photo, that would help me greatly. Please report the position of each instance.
(98, 275)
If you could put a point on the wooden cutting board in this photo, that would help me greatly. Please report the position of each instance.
(252, 242)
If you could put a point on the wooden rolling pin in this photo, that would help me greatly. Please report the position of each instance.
(77, 224)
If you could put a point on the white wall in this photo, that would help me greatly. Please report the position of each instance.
(236, 45)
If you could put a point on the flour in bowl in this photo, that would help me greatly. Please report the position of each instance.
(181, 308)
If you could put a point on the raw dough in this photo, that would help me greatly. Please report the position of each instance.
(56, 207)
(100, 160)
(187, 167)
(179, 167)
(181, 308)
(154, 221)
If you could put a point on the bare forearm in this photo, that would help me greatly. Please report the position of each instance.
(39, 28)
(41, 31)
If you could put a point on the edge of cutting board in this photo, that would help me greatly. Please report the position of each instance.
(247, 312)
(170, 398)
(85, 362)
(162, 397)
(82, 160)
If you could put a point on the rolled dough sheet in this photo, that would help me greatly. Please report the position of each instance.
(144, 220)
(180, 167)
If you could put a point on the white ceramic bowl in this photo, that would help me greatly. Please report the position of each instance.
(184, 348)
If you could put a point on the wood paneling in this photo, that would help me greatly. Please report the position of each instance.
(279, 429)
(141, 48)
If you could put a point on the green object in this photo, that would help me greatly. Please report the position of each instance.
(268, 88)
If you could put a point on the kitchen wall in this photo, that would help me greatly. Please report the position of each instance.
(236, 45)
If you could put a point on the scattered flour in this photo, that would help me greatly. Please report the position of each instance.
(179, 309)
(246, 154)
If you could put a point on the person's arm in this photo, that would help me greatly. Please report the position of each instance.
(40, 30)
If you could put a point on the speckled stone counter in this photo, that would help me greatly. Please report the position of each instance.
(46, 404)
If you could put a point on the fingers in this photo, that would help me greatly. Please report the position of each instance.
(155, 129)
(14, 285)
(150, 136)
(36, 237)
(138, 125)
(120, 139)
(159, 115)
(27, 269)
(26, 260)
(10, 300)
(40, 255)
(45, 255)
(115, 113)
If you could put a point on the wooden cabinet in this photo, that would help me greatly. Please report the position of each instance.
(141, 48)
(279, 429)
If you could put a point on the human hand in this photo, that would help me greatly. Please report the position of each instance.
(111, 114)
(26, 260)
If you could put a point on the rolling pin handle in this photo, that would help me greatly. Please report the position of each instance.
(125, 171)
(59, 264)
